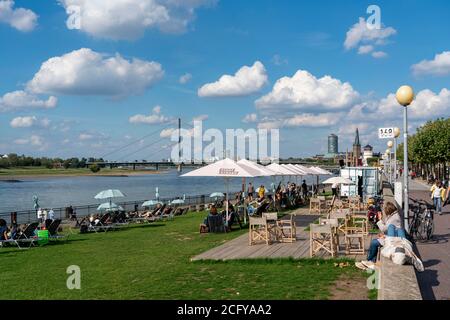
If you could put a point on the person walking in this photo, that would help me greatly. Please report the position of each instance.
(438, 196)
(250, 191)
(334, 187)
(304, 189)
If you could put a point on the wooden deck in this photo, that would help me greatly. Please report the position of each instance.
(240, 249)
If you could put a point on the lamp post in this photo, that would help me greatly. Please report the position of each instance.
(396, 135)
(390, 144)
(405, 96)
(388, 167)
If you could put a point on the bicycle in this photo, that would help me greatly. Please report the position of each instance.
(422, 223)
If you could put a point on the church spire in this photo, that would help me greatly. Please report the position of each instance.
(357, 143)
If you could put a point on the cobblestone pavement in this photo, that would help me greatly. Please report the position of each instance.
(434, 282)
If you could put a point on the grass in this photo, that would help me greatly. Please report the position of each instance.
(153, 262)
(38, 171)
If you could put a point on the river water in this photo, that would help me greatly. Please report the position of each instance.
(64, 191)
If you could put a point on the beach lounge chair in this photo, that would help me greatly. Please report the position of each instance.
(168, 214)
(27, 236)
(102, 225)
(53, 231)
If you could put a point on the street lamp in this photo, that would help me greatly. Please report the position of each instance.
(390, 144)
(405, 96)
(388, 167)
(396, 135)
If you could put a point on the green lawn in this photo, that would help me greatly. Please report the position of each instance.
(153, 262)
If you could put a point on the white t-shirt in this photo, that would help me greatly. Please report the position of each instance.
(334, 186)
(39, 214)
(437, 192)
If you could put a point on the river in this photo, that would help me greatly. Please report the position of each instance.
(64, 191)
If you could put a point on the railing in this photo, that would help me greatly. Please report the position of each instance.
(27, 216)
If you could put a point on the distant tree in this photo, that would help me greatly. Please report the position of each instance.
(94, 168)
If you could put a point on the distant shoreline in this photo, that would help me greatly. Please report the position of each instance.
(17, 177)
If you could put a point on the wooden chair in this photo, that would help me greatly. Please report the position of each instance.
(272, 218)
(287, 229)
(314, 205)
(322, 238)
(258, 230)
(356, 230)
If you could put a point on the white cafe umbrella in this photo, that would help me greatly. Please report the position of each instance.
(264, 171)
(226, 169)
(338, 180)
(216, 195)
(323, 171)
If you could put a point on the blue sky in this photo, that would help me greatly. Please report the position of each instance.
(219, 38)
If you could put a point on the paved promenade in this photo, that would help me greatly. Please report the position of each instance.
(434, 282)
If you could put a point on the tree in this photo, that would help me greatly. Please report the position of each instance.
(94, 168)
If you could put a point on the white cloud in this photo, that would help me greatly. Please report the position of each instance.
(360, 33)
(154, 118)
(379, 54)
(85, 136)
(247, 80)
(34, 140)
(305, 91)
(86, 72)
(19, 18)
(185, 78)
(129, 19)
(439, 66)
(250, 118)
(278, 60)
(23, 122)
(167, 133)
(18, 100)
(365, 49)
(302, 120)
(426, 105)
(29, 121)
(366, 39)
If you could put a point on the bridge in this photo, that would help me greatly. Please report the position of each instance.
(194, 164)
(158, 146)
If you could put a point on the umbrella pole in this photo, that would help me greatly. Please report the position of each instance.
(244, 187)
(226, 199)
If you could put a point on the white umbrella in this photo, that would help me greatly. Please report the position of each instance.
(111, 193)
(226, 169)
(322, 171)
(216, 195)
(109, 206)
(150, 203)
(177, 201)
(280, 170)
(338, 180)
(265, 171)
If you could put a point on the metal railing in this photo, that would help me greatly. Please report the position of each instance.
(27, 216)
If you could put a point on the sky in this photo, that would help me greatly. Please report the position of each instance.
(110, 78)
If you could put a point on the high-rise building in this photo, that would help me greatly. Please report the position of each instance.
(333, 146)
